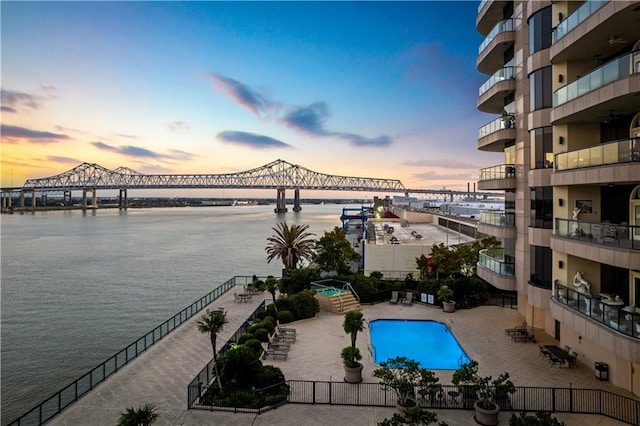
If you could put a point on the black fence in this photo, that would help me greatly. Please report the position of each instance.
(53, 405)
(504, 300)
(524, 399)
(200, 383)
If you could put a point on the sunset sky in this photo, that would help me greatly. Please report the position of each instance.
(370, 89)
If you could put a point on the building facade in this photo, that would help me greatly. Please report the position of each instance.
(564, 84)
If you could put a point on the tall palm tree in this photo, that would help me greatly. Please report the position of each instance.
(144, 415)
(213, 324)
(353, 323)
(291, 244)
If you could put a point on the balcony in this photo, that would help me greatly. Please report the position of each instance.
(501, 177)
(491, 50)
(576, 18)
(606, 313)
(612, 244)
(493, 135)
(489, 12)
(497, 268)
(498, 223)
(493, 91)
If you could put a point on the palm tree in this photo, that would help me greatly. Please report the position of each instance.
(291, 244)
(141, 416)
(213, 324)
(353, 323)
(271, 285)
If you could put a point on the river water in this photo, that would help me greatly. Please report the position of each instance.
(79, 286)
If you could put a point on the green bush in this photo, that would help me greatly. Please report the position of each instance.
(269, 323)
(540, 419)
(245, 337)
(268, 376)
(239, 366)
(285, 317)
(284, 303)
(255, 326)
(305, 305)
(261, 334)
(255, 345)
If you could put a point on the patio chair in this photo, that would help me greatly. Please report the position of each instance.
(544, 352)
(409, 299)
(554, 360)
(518, 329)
(527, 336)
(394, 298)
(286, 330)
(274, 353)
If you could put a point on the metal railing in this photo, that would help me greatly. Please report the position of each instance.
(502, 74)
(53, 405)
(204, 378)
(532, 399)
(611, 71)
(621, 151)
(495, 260)
(587, 9)
(498, 218)
(501, 123)
(606, 312)
(607, 234)
(501, 171)
(501, 27)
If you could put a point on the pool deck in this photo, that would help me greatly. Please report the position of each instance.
(161, 375)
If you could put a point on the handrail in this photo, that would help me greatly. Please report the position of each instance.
(601, 311)
(60, 400)
(495, 260)
(607, 234)
(348, 287)
(587, 9)
(501, 27)
(506, 73)
(614, 152)
(501, 171)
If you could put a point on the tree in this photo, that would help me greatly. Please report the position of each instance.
(240, 366)
(213, 324)
(334, 252)
(144, 415)
(271, 285)
(353, 324)
(291, 244)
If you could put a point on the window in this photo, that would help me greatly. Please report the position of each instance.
(542, 148)
(540, 85)
(542, 207)
(540, 30)
(541, 261)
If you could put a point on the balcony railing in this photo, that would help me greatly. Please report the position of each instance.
(498, 218)
(611, 71)
(622, 151)
(501, 27)
(609, 313)
(482, 4)
(497, 261)
(506, 122)
(506, 73)
(576, 18)
(503, 171)
(609, 234)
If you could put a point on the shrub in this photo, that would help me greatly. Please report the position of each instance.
(285, 317)
(245, 337)
(269, 323)
(255, 326)
(255, 345)
(261, 334)
(305, 305)
(540, 419)
(239, 366)
(284, 303)
(268, 376)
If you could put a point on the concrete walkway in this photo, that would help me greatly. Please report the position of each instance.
(161, 375)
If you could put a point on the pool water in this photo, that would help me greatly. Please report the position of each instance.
(330, 291)
(428, 342)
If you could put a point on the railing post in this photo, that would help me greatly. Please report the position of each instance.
(570, 398)
(553, 397)
(313, 393)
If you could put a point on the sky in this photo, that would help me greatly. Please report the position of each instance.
(367, 89)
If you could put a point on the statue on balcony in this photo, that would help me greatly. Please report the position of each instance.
(581, 285)
(574, 225)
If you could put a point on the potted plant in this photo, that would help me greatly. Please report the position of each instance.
(488, 393)
(445, 293)
(353, 323)
(403, 376)
(507, 119)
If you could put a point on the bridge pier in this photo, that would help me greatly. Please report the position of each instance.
(296, 201)
(66, 199)
(281, 201)
(94, 198)
(122, 199)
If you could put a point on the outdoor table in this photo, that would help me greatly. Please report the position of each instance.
(559, 353)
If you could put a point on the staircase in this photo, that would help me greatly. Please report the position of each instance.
(349, 303)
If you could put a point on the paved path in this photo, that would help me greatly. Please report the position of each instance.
(161, 375)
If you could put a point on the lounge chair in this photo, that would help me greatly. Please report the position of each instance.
(281, 337)
(409, 299)
(394, 298)
(285, 330)
(274, 353)
(528, 336)
(517, 329)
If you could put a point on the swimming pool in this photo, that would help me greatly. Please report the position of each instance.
(329, 291)
(428, 342)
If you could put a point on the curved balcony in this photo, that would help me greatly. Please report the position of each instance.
(497, 268)
(501, 177)
(586, 33)
(607, 314)
(492, 92)
(489, 12)
(491, 50)
(613, 244)
(493, 135)
(612, 86)
(538, 292)
(498, 223)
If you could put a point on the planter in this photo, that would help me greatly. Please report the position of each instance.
(410, 403)
(353, 374)
(449, 306)
(486, 417)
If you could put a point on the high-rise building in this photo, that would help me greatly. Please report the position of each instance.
(564, 83)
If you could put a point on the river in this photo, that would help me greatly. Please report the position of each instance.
(79, 286)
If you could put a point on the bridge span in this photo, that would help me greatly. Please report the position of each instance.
(279, 175)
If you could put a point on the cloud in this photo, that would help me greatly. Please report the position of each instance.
(256, 102)
(14, 99)
(311, 120)
(178, 126)
(138, 152)
(66, 160)
(10, 133)
(251, 140)
(438, 162)
(7, 109)
(431, 175)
